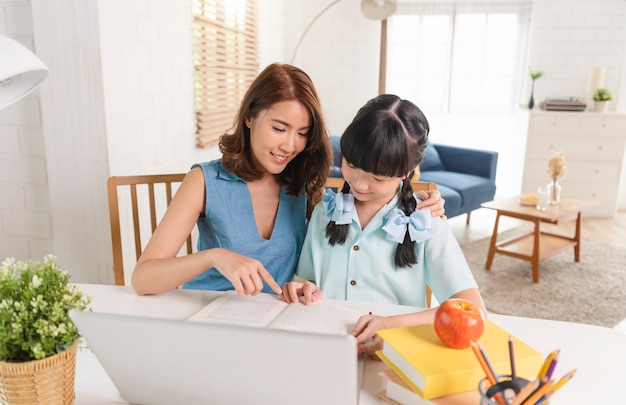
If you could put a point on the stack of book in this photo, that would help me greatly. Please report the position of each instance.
(570, 104)
(423, 370)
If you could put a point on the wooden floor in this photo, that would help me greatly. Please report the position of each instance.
(610, 230)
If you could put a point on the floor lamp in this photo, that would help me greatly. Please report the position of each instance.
(20, 71)
(372, 9)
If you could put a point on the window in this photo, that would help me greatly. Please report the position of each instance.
(226, 62)
(458, 57)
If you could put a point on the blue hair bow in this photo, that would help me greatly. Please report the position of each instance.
(338, 207)
(419, 224)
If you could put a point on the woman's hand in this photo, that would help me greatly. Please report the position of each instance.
(245, 274)
(365, 329)
(293, 290)
(433, 201)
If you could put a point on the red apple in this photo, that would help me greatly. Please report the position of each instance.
(458, 322)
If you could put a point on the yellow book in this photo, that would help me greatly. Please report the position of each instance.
(432, 369)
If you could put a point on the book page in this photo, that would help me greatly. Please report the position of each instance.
(228, 308)
(325, 317)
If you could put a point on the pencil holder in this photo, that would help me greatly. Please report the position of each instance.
(506, 387)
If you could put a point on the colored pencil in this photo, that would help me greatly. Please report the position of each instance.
(512, 357)
(491, 377)
(525, 392)
(484, 355)
(564, 379)
(546, 364)
(552, 365)
(539, 392)
(487, 368)
(545, 397)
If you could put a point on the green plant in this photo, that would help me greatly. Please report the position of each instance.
(35, 300)
(602, 94)
(535, 75)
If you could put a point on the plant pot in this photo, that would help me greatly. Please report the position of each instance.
(600, 106)
(38, 382)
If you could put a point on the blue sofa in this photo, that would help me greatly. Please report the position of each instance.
(465, 177)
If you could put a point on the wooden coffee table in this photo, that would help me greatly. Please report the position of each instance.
(536, 245)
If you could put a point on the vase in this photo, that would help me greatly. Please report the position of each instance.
(46, 381)
(531, 102)
(554, 192)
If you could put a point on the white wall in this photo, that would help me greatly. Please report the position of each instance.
(25, 221)
(118, 101)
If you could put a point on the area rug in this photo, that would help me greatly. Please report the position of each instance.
(592, 291)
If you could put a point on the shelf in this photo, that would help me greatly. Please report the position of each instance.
(522, 247)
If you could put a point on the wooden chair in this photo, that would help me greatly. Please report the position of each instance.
(337, 183)
(145, 197)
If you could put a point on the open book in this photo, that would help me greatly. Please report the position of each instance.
(269, 311)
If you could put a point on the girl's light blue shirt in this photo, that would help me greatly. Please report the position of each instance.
(228, 222)
(363, 268)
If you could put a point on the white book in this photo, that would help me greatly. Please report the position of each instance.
(269, 311)
(398, 393)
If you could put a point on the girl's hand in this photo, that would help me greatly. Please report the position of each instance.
(433, 201)
(365, 329)
(293, 290)
(245, 274)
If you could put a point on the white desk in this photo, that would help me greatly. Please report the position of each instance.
(598, 353)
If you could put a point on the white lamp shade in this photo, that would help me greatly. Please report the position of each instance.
(378, 9)
(20, 71)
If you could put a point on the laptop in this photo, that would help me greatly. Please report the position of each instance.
(155, 361)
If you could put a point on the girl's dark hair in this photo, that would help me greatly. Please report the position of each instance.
(309, 170)
(387, 137)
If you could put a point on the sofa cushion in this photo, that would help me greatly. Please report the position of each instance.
(431, 160)
(453, 201)
(335, 169)
(473, 189)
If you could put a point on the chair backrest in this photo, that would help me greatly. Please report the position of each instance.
(145, 198)
(337, 184)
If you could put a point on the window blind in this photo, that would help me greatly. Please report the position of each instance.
(226, 63)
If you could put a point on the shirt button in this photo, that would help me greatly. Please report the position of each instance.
(352, 282)
(356, 247)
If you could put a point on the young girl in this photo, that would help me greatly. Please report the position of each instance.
(370, 242)
(250, 206)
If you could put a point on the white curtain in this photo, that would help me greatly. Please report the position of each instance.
(461, 57)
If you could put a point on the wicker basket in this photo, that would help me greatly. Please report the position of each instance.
(48, 381)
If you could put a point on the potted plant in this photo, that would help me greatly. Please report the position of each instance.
(601, 99)
(39, 340)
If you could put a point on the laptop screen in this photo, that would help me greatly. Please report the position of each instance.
(156, 361)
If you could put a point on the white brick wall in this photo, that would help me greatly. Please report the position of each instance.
(25, 221)
(569, 38)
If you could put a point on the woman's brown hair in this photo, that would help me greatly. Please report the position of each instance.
(309, 170)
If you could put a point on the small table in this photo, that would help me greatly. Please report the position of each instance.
(536, 245)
